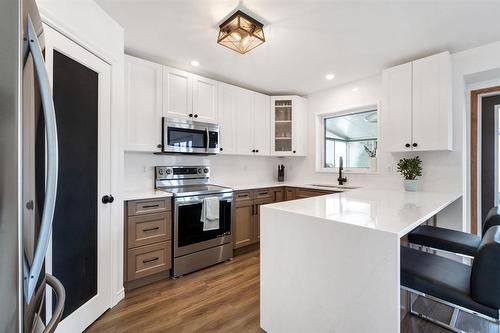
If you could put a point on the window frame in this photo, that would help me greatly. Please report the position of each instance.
(321, 138)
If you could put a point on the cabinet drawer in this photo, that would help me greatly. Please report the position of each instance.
(138, 207)
(243, 196)
(148, 229)
(147, 260)
(263, 194)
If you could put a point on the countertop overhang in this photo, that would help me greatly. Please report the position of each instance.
(392, 211)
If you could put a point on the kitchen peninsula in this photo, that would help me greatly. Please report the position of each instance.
(331, 263)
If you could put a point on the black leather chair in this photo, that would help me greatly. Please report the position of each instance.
(462, 243)
(474, 289)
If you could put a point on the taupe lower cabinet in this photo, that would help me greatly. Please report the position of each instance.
(148, 235)
(247, 209)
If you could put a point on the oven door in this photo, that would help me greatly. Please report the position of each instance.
(189, 236)
(182, 136)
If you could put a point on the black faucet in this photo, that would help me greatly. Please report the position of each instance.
(341, 179)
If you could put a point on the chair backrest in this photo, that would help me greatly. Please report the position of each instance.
(485, 275)
(492, 219)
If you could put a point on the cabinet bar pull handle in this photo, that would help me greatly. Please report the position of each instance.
(150, 260)
(150, 229)
(151, 206)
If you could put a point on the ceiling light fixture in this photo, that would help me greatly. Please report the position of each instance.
(329, 77)
(241, 33)
(195, 63)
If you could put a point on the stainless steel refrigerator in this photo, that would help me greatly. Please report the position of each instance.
(28, 172)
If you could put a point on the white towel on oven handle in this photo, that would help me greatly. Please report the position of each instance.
(210, 213)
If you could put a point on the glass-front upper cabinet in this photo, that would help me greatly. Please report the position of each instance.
(289, 126)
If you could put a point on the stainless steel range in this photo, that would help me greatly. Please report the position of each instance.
(194, 246)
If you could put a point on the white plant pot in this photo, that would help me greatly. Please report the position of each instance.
(411, 184)
(373, 164)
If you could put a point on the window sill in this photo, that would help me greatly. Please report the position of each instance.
(361, 171)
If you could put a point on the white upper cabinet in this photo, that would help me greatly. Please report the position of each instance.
(143, 107)
(416, 112)
(189, 96)
(288, 126)
(395, 120)
(204, 99)
(262, 123)
(432, 103)
(177, 93)
(244, 122)
(227, 118)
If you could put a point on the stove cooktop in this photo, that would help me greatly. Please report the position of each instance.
(198, 189)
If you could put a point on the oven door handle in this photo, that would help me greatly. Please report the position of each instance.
(199, 201)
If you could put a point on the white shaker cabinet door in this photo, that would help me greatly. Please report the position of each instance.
(262, 124)
(300, 123)
(177, 93)
(432, 128)
(227, 117)
(204, 99)
(244, 122)
(143, 104)
(396, 112)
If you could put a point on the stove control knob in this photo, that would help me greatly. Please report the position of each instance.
(205, 170)
(199, 170)
(168, 171)
(160, 171)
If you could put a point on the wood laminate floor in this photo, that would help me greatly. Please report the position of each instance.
(225, 298)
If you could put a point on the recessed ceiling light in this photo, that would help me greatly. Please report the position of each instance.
(195, 63)
(355, 89)
(329, 76)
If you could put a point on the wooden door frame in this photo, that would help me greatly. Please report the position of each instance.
(474, 98)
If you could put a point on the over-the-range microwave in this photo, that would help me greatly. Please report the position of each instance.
(189, 137)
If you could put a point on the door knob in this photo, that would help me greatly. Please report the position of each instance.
(407, 145)
(107, 199)
(196, 116)
(190, 115)
(415, 144)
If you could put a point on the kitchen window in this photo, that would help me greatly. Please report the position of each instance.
(354, 137)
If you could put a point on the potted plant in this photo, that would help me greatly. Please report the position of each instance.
(371, 151)
(410, 168)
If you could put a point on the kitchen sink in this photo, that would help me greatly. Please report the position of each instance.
(338, 187)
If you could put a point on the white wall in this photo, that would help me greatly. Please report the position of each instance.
(226, 169)
(441, 169)
(474, 69)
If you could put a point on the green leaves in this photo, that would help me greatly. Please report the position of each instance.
(410, 168)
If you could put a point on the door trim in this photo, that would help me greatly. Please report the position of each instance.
(475, 112)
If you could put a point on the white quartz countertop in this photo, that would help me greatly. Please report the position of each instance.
(138, 195)
(311, 185)
(150, 194)
(392, 211)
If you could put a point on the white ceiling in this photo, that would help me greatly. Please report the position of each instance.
(305, 39)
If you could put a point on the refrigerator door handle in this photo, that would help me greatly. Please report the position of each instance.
(31, 273)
